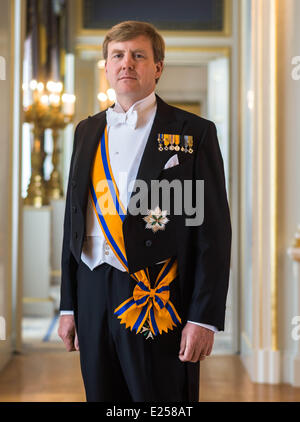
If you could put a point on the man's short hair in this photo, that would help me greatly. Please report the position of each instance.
(128, 30)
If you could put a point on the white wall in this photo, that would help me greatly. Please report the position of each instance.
(288, 169)
(184, 84)
(5, 221)
(12, 25)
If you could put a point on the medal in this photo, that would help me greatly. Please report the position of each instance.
(156, 219)
(171, 147)
(181, 143)
(160, 142)
(177, 141)
(190, 144)
(166, 142)
(185, 143)
(173, 142)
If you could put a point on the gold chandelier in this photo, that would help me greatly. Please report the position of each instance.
(53, 109)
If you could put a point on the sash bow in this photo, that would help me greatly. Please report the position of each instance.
(152, 305)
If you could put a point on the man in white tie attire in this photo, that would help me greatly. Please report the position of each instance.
(119, 363)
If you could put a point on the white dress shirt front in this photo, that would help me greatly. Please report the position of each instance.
(126, 145)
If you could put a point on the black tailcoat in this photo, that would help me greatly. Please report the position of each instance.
(203, 251)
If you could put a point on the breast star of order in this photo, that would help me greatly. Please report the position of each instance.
(156, 219)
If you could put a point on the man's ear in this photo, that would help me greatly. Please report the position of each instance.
(159, 66)
(159, 70)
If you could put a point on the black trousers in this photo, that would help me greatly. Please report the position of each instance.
(117, 364)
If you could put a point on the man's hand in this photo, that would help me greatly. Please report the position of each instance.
(196, 343)
(67, 332)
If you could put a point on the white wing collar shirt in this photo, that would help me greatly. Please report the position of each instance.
(128, 133)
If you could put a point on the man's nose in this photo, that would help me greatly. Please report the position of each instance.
(127, 62)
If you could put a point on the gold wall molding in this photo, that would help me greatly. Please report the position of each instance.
(55, 273)
(37, 299)
(275, 117)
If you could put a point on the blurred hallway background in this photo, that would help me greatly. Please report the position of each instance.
(236, 62)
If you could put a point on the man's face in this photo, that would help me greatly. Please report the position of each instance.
(130, 68)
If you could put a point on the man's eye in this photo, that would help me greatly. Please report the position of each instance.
(117, 55)
(139, 56)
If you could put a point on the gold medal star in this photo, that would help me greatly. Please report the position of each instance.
(156, 219)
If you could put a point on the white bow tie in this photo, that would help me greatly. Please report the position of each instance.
(113, 118)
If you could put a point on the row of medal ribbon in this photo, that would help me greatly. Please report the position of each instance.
(172, 142)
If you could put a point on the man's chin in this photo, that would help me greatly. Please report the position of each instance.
(130, 92)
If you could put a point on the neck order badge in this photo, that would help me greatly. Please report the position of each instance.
(148, 310)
